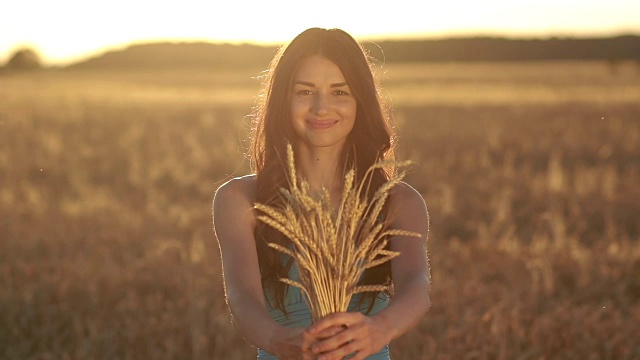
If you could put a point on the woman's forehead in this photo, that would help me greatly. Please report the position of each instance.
(318, 69)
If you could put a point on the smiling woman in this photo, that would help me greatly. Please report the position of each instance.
(320, 96)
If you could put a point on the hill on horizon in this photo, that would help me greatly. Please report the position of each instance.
(194, 55)
(161, 55)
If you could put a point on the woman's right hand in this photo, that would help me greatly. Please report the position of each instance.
(296, 343)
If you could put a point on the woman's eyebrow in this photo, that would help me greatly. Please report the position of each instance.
(305, 83)
(309, 84)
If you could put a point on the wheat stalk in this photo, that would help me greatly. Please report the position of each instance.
(333, 248)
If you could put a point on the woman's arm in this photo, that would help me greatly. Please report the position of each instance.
(234, 222)
(410, 270)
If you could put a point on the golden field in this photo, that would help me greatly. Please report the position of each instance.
(531, 172)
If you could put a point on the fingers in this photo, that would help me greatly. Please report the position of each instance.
(327, 332)
(337, 319)
(332, 343)
(346, 338)
(343, 334)
(339, 353)
(297, 345)
(307, 341)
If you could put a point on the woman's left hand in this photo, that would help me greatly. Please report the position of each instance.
(362, 335)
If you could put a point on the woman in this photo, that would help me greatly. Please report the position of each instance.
(320, 95)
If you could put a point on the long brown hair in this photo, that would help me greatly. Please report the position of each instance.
(370, 140)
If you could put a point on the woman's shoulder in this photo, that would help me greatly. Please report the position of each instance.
(233, 215)
(407, 209)
(404, 199)
(403, 192)
(237, 188)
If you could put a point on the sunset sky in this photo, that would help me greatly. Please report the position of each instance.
(64, 31)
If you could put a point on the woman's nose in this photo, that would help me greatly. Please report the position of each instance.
(320, 104)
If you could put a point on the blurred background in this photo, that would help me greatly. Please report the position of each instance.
(119, 120)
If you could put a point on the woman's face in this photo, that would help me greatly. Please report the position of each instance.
(323, 109)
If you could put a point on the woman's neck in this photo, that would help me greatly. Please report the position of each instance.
(320, 167)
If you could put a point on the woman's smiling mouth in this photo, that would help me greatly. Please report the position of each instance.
(321, 124)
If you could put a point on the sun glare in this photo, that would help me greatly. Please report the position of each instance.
(70, 29)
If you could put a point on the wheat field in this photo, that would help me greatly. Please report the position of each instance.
(531, 173)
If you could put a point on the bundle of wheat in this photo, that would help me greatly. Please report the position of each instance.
(333, 248)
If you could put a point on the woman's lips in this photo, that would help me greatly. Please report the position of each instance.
(321, 124)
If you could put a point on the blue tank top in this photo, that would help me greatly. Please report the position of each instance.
(298, 314)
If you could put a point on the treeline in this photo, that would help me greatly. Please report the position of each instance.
(501, 49)
(207, 55)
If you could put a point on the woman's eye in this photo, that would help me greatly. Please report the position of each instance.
(304, 92)
(341, 92)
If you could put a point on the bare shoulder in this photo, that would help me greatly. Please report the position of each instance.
(233, 215)
(237, 189)
(233, 202)
(408, 209)
(404, 194)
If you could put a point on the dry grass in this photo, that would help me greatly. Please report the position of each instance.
(105, 204)
(333, 248)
